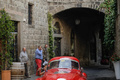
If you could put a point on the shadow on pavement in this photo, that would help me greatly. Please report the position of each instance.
(106, 78)
(99, 73)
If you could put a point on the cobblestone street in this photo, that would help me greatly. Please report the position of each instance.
(93, 73)
(99, 73)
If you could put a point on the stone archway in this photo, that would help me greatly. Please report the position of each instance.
(59, 8)
(56, 6)
(85, 22)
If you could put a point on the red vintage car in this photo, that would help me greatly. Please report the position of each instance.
(64, 68)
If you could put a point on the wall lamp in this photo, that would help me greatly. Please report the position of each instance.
(77, 21)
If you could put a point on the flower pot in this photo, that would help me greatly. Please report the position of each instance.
(6, 74)
(117, 69)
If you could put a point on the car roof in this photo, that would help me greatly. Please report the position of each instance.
(69, 57)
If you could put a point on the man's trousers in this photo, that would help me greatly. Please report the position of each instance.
(38, 62)
(27, 68)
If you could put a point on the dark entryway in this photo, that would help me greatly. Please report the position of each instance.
(57, 44)
(72, 43)
(57, 39)
(93, 49)
(81, 35)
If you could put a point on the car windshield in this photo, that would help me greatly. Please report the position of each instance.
(64, 63)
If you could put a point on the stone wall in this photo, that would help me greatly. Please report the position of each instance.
(117, 43)
(29, 36)
(59, 5)
(94, 4)
(56, 6)
(65, 39)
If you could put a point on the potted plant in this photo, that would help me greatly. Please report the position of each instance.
(6, 27)
(116, 62)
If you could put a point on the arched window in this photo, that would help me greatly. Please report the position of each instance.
(14, 51)
(57, 28)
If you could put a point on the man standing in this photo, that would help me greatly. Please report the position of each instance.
(38, 58)
(24, 60)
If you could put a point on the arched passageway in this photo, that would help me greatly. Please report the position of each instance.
(80, 35)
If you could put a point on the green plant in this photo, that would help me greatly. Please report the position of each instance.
(51, 38)
(6, 37)
(110, 7)
(115, 57)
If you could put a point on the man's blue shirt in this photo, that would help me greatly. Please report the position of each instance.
(38, 54)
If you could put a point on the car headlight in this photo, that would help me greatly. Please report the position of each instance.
(61, 79)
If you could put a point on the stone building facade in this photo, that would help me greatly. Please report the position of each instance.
(79, 24)
(28, 34)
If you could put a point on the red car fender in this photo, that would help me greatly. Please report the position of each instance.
(84, 74)
(38, 79)
(82, 79)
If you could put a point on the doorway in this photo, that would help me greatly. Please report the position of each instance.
(93, 49)
(57, 44)
(14, 51)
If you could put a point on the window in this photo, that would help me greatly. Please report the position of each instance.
(64, 63)
(57, 28)
(30, 14)
(14, 51)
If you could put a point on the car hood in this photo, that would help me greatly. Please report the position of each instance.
(63, 74)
